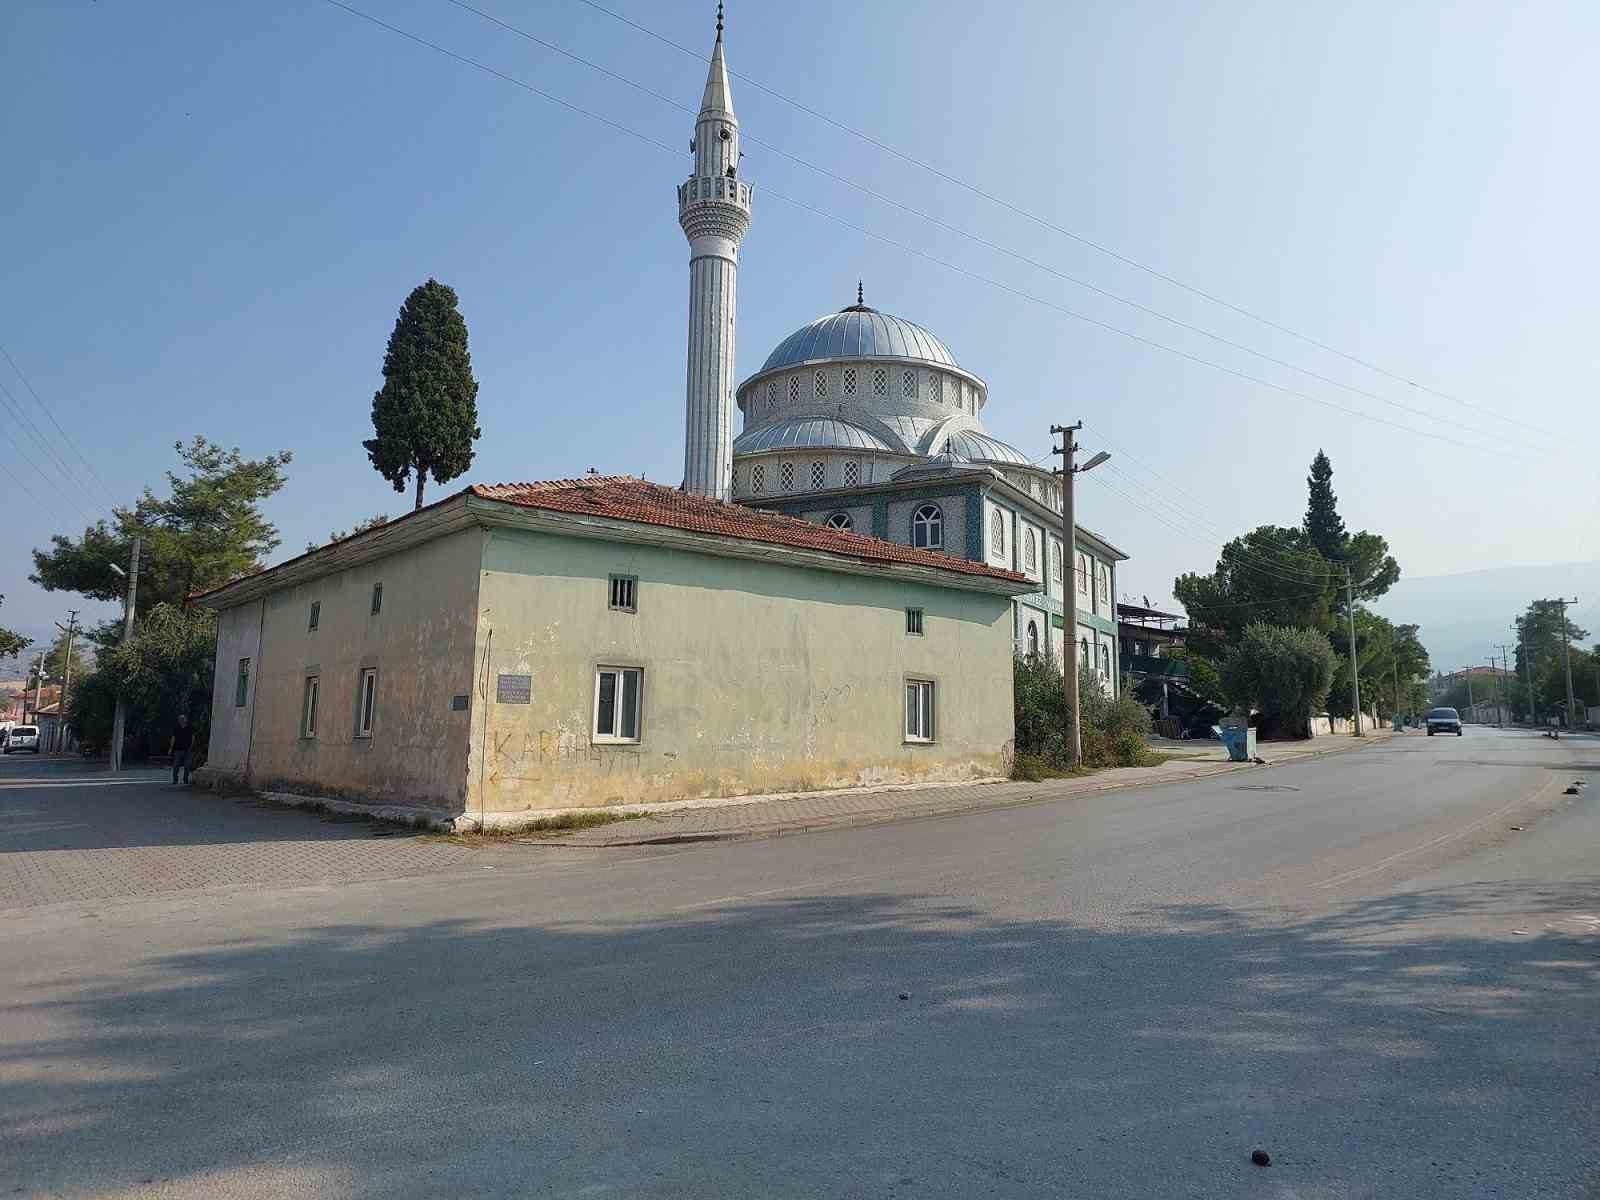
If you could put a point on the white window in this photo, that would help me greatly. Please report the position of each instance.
(758, 479)
(839, 520)
(625, 593)
(241, 684)
(366, 701)
(997, 535)
(852, 473)
(786, 477)
(1055, 562)
(819, 476)
(1105, 660)
(1033, 639)
(794, 389)
(908, 384)
(936, 387)
(1083, 575)
(927, 528)
(914, 622)
(919, 710)
(308, 707)
(1030, 551)
(617, 703)
(880, 381)
(822, 385)
(849, 381)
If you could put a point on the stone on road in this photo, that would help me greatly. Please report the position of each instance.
(1116, 995)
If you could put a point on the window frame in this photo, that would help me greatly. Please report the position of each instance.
(786, 477)
(840, 520)
(915, 624)
(926, 709)
(880, 381)
(1081, 573)
(618, 695)
(819, 385)
(818, 475)
(1032, 638)
(314, 617)
(851, 473)
(758, 479)
(631, 583)
(310, 695)
(377, 598)
(930, 519)
(366, 702)
(241, 684)
(1030, 550)
(997, 534)
(908, 384)
(849, 384)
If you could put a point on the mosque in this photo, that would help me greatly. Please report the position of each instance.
(864, 421)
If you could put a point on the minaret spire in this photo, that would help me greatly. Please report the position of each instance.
(714, 211)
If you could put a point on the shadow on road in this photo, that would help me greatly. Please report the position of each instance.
(765, 1049)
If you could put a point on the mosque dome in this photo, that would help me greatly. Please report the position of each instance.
(859, 332)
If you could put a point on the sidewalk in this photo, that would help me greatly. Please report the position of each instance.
(763, 815)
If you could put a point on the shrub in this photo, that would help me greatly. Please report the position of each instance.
(1282, 670)
(1111, 732)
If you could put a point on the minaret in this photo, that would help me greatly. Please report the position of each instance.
(714, 210)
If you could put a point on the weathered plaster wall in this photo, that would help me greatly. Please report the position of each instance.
(237, 631)
(757, 677)
(421, 643)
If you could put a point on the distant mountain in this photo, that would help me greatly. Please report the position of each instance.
(1465, 617)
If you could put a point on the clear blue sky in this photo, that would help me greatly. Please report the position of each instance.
(213, 211)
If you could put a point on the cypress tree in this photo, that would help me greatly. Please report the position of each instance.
(1324, 526)
(425, 416)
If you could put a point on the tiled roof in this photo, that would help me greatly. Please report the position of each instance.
(623, 498)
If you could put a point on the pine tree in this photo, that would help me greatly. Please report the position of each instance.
(1323, 525)
(425, 416)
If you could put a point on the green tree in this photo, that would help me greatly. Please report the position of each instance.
(1323, 524)
(339, 535)
(1271, 574)
(1282, 671)
(207, 530)
(11, 643)
(164, 669)
(425, 417)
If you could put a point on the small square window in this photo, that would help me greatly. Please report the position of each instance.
(914, 622)
(919, 710)
(316, 616)
(241, 687)
(625, 593)
(308, 707)
(617, 703)
(377, 598)
(366, 702)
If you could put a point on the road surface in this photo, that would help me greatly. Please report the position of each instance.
(1355, 963)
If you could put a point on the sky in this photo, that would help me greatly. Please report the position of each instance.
(213, 211)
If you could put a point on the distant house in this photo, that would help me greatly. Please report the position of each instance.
(1146, 634)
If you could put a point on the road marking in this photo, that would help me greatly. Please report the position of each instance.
(1498, 814)
(23, 785)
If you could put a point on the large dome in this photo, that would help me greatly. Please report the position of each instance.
(859, 332)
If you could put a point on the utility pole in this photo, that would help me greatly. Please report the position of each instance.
(1068, 471)
(71, 630)
(1394, 661)
(38, 685)
(1355, 669)
(1505, 661)
(1566, 649)
(1527, 669)
(1471, 703)
(119, 722)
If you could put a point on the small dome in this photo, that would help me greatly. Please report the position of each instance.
(859, 332)
(814, 433)
(980, 447)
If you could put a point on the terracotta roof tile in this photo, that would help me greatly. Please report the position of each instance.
(623, 498)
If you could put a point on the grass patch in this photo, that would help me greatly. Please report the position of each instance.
(1034, 768)
(560, 823)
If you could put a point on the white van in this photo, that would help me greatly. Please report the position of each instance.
(22, 737)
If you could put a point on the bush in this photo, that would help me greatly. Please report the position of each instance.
(1282, 670)
(1112, 732)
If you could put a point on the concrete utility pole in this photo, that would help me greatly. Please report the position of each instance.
(38, 685)
(1566, 649)
(119, 722)
(1394, 661)
(1505, 662)
(1355, 669)
(71, 630)
(1527, 669)
(1068, 471)
(1471, 703)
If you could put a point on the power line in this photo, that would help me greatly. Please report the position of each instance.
(1077, 237)
(909, 249)
(27, 383)
(66, 475)
(969, 235)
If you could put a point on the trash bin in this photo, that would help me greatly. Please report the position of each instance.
(1239, 738)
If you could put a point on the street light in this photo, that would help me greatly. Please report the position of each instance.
(1095, 461)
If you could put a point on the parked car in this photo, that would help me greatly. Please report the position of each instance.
(22, 737)
(1444, 720)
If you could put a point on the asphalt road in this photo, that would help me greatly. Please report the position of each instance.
(1363, 969)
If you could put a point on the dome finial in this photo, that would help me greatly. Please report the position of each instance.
(859, 298)
(719, 20)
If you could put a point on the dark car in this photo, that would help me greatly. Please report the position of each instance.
(1444, 720)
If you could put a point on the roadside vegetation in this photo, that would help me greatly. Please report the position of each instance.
(1113, 730)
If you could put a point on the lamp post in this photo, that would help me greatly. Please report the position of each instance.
(1069, 572)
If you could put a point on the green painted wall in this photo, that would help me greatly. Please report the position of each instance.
(758, 677)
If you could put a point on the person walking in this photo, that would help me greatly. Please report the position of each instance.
(182, 748)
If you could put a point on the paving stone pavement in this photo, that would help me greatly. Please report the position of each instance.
(70, 832)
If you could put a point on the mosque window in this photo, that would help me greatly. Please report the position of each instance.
(758, 479)
(786, 477)
(822, 385)
(927, 528)
(852, 473)
(1083, 575)
(1055, 562)
(997, 535)
(772, 394)
(849, 381)
(819, 476)
(936, 387)
(838, 520)
(880, 382)
(794, 389)
(1030, 551)
(1033, 639)
(908, 385)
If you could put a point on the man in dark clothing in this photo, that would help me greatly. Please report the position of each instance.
(182, 749)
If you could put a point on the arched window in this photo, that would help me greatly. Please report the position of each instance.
(1030, 551)
(758, 479)
(880, 381)
(772, 394)
(927, 528)
(1055, 562)
(786, 477)
(908, 384)
(936, 387)
(1033, 639)
(838, 520)
(1105, 661)
(1083, 658)
(794, 389)
(1083, 575)
(819, 475)
(852, 472)
(997, 534)
(849, 381)
(822, 385)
